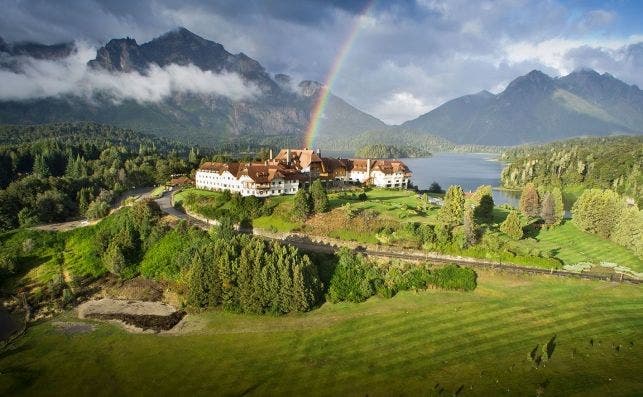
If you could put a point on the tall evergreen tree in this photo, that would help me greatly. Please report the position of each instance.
(470, 228)
(40, 166)
(548, 209)
(319, 197)
(529, 200)
(452, 210)
(302, 205)
(511, 226)
(193, 157)
(559, 206)
(484, 210)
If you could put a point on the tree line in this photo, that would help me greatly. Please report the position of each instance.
(382, 151)
(601, 162)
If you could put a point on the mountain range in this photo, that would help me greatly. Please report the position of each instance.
(532, 108)
(539, 108)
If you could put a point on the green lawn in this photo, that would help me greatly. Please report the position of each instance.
(412, 344)
(400, 205)
(180, 196)
(572, 246)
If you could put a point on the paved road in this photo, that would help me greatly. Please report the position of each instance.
(165, 202)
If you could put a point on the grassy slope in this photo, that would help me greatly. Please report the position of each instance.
(570, 244)
(573, 246)
(407, 344)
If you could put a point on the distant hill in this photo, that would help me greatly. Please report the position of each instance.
(539, 108)
(280, 112)
(594, 162)
(86, 132)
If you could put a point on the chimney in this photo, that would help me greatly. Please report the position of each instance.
(318, 152)
(368, 168)
(288, 156)
(271, 154)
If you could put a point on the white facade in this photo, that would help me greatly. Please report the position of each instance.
(212, 180)
(394, 180)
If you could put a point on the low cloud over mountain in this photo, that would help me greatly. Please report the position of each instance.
(27, 77)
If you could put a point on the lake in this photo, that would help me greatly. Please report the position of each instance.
(468, 170)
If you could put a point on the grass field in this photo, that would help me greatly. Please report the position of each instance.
(416, 343)
(572, 245)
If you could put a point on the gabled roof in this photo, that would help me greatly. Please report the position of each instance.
(302, 158)
(258, 172)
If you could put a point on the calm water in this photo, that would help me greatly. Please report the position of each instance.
(468, 170)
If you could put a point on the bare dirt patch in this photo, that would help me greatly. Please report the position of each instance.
(138, 289)
(135, 316)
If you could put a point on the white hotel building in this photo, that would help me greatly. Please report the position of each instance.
(284, 173)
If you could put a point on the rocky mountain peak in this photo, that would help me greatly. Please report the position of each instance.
(533, 83)
(122, 55)
(309, 87)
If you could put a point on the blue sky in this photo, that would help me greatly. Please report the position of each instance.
(409, 56)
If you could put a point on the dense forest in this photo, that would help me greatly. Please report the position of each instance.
(380, 151)
(421, 143)
(52, 172)
(606, 163)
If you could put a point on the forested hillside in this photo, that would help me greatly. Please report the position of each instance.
(608, 163)
(52, 172)
(401, 137)
(86, 133)
(379, 151)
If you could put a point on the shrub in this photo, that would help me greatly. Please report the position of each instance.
(453, 277)
(352, 280)
(511, 226)
(7, 266)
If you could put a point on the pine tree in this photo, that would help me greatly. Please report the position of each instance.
(470, 229)
(198, 292)
(193, 157)
(529, 201)
(302, 206)
(40, 166)
(319, 197)
(484, 210)
(559, 206)
(548, 209)
(511, 226)
(452, 210)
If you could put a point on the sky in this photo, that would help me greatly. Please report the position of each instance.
(407, 57)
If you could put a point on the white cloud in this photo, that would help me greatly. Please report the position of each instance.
(71, 76)
(399, 107)
(553, 52)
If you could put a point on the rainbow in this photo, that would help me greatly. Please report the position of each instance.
(322, 98)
